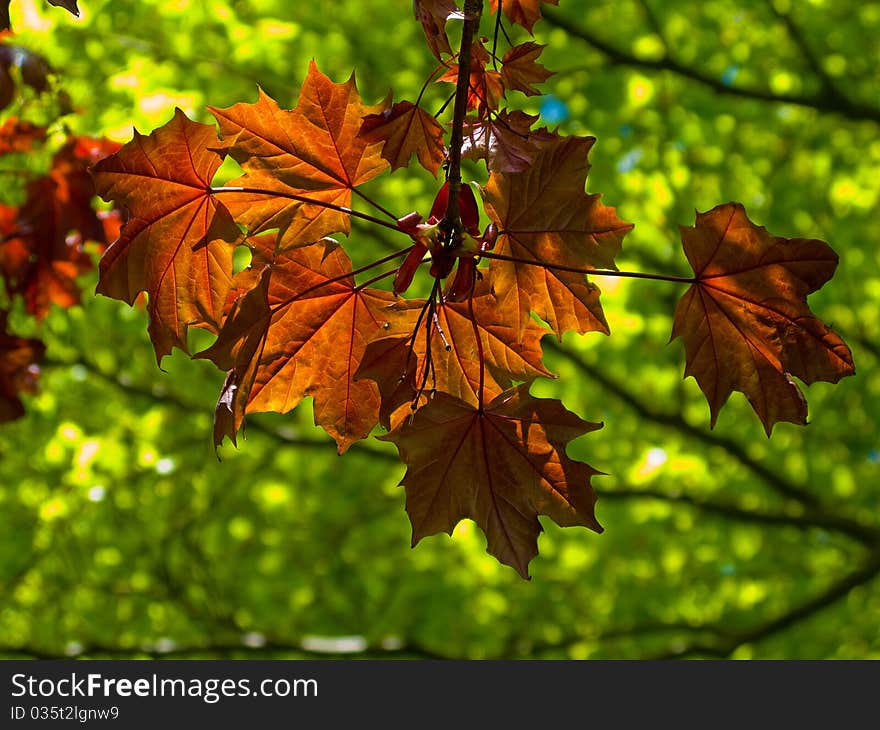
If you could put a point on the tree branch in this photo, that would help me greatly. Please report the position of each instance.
(868, 535)
(473, 9)
(778, 483)
(826, 101)
(189, 408)
(837, 590)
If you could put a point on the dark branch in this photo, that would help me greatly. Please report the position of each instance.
(253, 423)
(776, 482)
(837, 590)
(865, 534)
(826, 101)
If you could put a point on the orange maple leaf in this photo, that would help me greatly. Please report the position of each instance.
(312, 152)
(399, 365)
(745, 322)
(520, 68)
(545, 217)
(301, 331)
(505, 140)
(406, 130)
(433, 14)
(178, 240)
(501, 466)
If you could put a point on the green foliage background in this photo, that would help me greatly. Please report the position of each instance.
(122, 535)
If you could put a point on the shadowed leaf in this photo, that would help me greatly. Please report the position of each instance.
(745, 321)
(501, 467)
(19, 360)
(545, 217)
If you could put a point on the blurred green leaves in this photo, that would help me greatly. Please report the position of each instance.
(122, 535)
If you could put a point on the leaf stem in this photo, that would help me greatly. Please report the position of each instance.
(479, 341)
(376, 205)
(314, 201)
(594, 272)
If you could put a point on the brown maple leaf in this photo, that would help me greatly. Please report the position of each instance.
(398, 361)
(520, 69)
(544, 216)
(433, 14)
(406, 130)
(522, 12)
(20, 135)
(68, 5)
(19, 369)
(501, 466)
(311, 152)
(745, 321)
(42, 254)
(301, 331)
(178, 240)
(506, 140)
(485, 86)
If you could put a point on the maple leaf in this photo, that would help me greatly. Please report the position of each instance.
(500, 466)
(406, 130)
(5, 23)
(301, 331)
(522, 12)
(520, 69)
(399, 366)
(433, 14)
(19, 135)
(313, 151)
(544, 216)
(506, 141)
(485, 87)
(19, 359)
(178, 240)
(69, 5)
(42, 253)
(745, 322)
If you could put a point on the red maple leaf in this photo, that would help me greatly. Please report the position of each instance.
(546, 219)
(301, 331)
(745, 321)
(19, 369)
(417, 356)
(500, 466)
(301, 165)
(433, 14)
(520, 69)
(522, 12)
(42, 254)
(177, 241)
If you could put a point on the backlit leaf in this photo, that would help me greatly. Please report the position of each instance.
(545, 217)
(522, 12)
(300, 332)
(313, 151)
(745, 321)
(177, 242)
(406, 130)
(501, 466)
